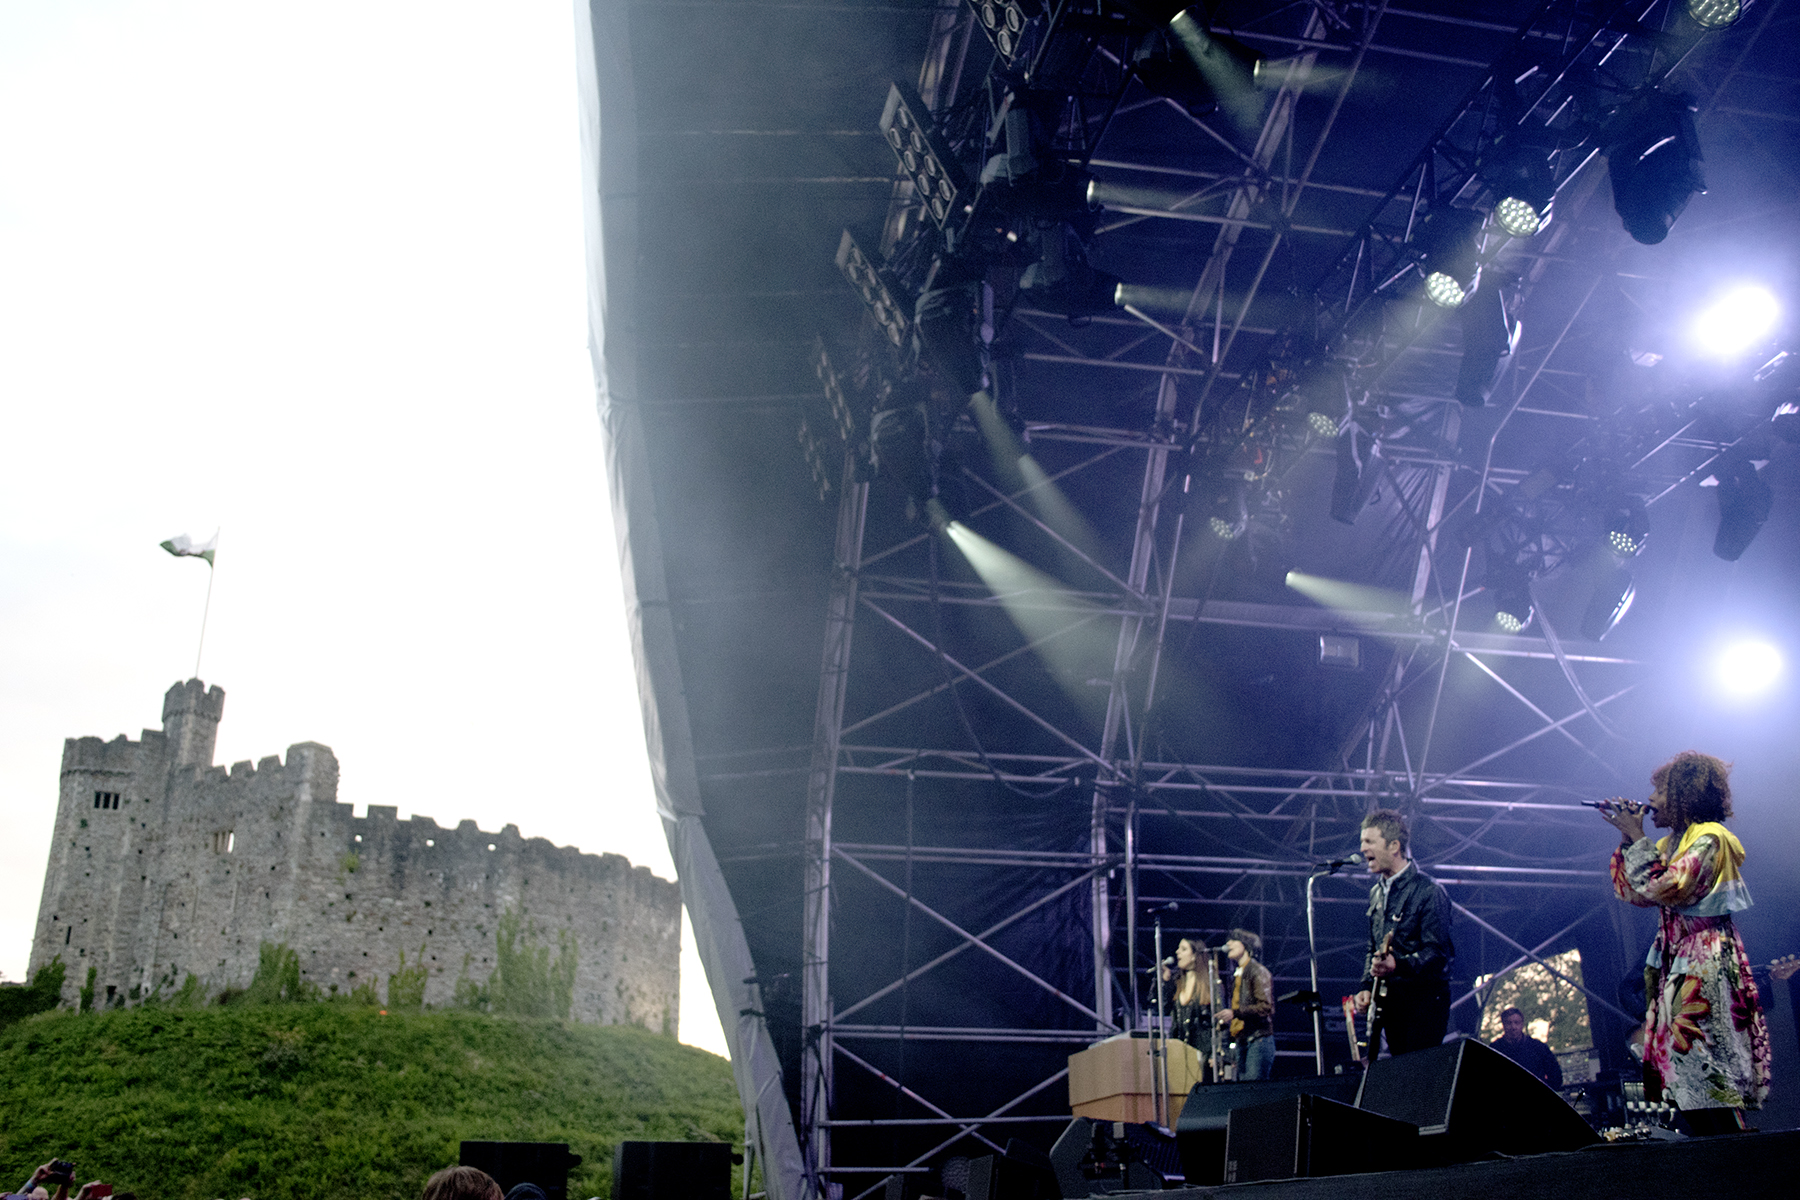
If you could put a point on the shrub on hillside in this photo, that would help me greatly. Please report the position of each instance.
(43, 993)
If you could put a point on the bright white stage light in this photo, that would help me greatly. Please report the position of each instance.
(1748, 668)
(1736, 320)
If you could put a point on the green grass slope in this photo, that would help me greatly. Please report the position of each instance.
(333, 1099)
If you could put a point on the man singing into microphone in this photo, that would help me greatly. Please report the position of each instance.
(1406, 973)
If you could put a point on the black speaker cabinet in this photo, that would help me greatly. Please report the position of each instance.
(1022, 1173)
(1200, 1129)
(672, 1171)
(1311, 1135)
(1468, 1101)
(512, 1163)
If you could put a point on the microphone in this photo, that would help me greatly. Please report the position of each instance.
(1337, 864)
(1171, 906)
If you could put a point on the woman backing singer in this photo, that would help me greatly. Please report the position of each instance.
(1706, 1043)
(1188, 992)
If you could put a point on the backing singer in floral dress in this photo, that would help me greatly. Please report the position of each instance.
(1706, 1042)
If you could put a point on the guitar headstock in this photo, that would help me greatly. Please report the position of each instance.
(1785, 967)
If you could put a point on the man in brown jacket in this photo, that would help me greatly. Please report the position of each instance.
(1252, 1012)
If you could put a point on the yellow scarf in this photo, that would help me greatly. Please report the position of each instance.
(1728, 893)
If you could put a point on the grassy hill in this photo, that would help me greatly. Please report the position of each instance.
(334, 1099)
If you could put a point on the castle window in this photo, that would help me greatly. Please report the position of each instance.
(106, 799)
(223, 841)
(68, 933)
(430, 842)
(490, 845)
(359, 837)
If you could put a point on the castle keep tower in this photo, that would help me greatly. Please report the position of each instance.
(164, 865)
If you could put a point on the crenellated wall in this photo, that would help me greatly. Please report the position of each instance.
(163, 865)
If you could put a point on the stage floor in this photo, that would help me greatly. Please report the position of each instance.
(1745, 1166)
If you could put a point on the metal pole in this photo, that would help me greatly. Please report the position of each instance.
(1312, 954)
(1161, 1030)
(1131, 914)
(828, 722)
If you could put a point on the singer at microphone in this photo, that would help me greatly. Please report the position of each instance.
(1187, 989)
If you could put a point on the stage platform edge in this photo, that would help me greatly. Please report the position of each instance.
(1744, 1166)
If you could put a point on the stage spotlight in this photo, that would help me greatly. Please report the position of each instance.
(1228, 65)
(1198, 69)
(900, 450)
(1359, 465)
(1744, 504)
(1166, 301)
(1653, 156)
(1006, 23)
(1748, 668)
(1451, 241)
(1785, 424)
(1609, 604)
(1736, 321)
(1165, 71)
(1716, 14)
(1627, 527)
(936, 176)
(1526, 187)
(1228, 514)
(1062, 281)
(1489, 339)
(948, 318)
(874, 290)
(1513, 609)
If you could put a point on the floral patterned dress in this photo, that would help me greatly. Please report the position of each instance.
(1705, 1037)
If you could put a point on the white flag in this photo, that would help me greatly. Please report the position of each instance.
(184, 547)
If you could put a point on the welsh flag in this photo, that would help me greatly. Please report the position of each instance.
(185, 547)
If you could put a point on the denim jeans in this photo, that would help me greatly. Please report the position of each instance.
(1256, 1057)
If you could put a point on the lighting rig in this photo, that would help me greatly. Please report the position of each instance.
(1000, 208)
(1002, 214)
(1441, 240)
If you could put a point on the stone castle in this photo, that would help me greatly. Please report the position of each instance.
(163, 865)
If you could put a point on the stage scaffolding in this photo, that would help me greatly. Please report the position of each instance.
(1248, 838)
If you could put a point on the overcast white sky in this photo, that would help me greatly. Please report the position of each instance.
(311, 275)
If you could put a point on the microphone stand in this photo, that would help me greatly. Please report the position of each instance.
(1159, 1055)
(1312, 953)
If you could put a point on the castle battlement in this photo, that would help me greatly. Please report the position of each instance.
(92, 754)
(164, 864)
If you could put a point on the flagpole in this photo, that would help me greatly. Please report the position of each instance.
(207, 609)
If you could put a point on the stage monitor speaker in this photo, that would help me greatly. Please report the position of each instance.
(512, 1163)
(672, 1171)
(1200, 1129)
(1023, 1173)
(1306, 1135)
(1469, 1101)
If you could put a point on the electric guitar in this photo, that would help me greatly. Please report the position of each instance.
(1785, 967)
(1379, 994)
(1356, 1049)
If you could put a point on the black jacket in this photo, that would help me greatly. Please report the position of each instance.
(1418, 915)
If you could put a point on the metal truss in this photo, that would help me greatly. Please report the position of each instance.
(1249, 838)
(1289, 819)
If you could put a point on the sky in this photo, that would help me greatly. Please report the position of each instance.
(312, 277)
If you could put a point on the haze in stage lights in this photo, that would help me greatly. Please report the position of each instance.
(1748, 668)
(1737, 320)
